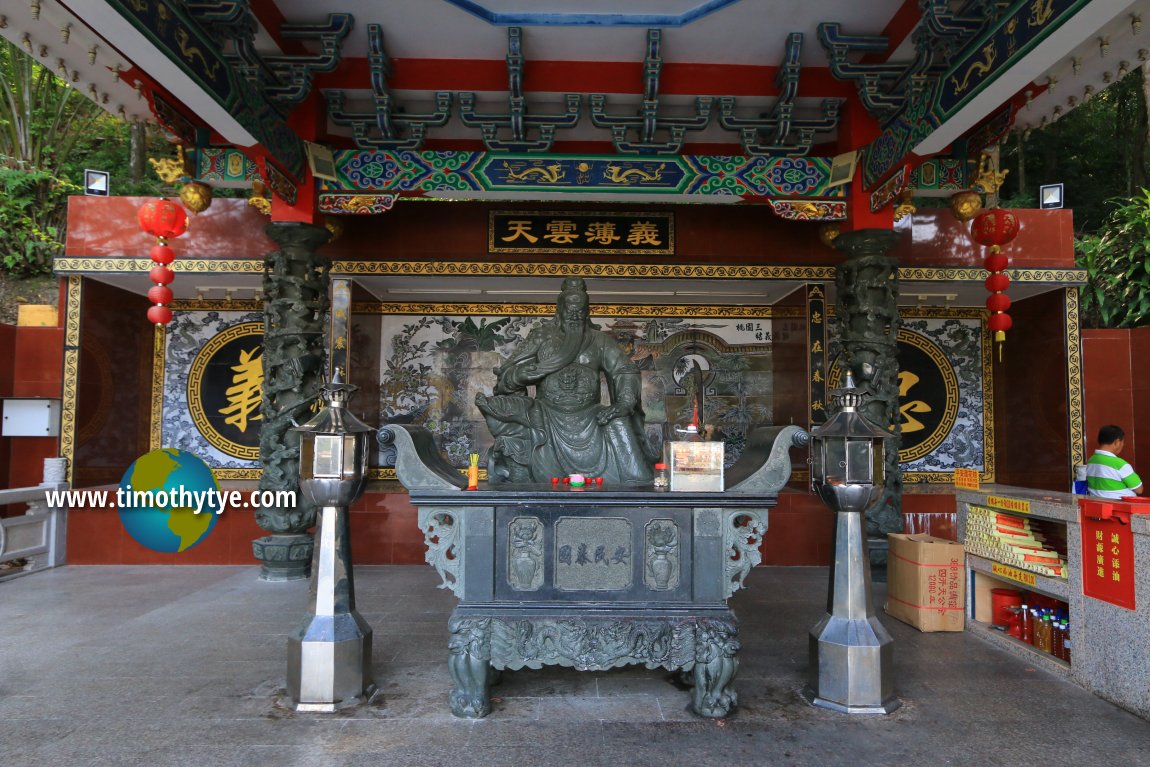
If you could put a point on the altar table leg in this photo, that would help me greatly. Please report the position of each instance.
(715, 666)
(469, 661)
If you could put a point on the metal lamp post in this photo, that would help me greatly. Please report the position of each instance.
(329, 657)
(850, 651)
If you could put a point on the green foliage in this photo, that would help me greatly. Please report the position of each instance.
(1117, 263)
(33, 210)
(49, 133)
(1098, 150)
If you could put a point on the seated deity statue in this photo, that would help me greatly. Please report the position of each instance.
(565, 428)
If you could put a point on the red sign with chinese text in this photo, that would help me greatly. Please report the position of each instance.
(1108, 550)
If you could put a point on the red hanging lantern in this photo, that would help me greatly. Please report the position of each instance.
(162, 254)
(159, 314)
(1000, 323)
(997, 282)
(995, 228)
(160, 294)
(995, 262)
(162, 219)
(161, 275)
(995, 302)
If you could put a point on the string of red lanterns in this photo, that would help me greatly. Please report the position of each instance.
(994, 228)
(163, 219)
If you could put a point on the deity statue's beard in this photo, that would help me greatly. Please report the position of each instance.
(564, 355)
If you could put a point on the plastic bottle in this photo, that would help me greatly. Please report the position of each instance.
(661, 481)
(1024, 618)
(1047, 633)
(1066, 641)
(1056, 639)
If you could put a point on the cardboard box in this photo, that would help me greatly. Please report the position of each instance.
(925, 582)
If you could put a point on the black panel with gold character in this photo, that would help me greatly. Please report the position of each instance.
(225, 385)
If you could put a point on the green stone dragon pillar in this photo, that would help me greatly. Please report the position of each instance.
(867, 287)
(295, 300)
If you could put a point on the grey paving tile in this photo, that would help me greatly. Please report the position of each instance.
(173, 666)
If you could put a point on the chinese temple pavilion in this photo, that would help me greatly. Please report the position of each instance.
(745, 185)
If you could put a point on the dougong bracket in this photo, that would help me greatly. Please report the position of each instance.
(649, 122)
(516, 120)
(396, 130)
(782, 133)
(295, 72)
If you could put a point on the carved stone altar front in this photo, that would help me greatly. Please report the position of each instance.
(591, 579)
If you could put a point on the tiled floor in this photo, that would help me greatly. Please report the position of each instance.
(185, 666)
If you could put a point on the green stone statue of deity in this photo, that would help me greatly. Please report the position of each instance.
(566, 428)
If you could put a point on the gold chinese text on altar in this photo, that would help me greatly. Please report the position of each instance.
(580, 232)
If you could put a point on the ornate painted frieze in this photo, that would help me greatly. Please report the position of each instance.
(806, 210)
(222, 166)
(888, 191)
(407, 172)
(355, 204)
(940, 174)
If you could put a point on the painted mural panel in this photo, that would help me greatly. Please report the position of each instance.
(433, 365)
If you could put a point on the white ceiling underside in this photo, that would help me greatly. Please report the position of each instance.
(747, 32)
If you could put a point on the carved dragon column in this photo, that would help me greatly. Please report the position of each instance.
(867, 287)
(295, 299)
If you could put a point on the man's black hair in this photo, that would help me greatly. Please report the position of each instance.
(1108, 435)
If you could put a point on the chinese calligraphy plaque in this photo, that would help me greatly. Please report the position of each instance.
(592, 554)
(581, 232)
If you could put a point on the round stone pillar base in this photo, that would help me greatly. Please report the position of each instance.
(284, 557)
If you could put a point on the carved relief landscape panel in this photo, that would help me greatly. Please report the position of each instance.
(433, 365)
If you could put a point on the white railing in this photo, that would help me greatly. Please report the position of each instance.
(38, 537)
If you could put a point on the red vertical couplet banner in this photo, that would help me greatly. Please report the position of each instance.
(1108, 550)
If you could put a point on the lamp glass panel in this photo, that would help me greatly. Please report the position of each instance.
(836, 460)
(817, 464)
(306, 456)
(349, 456)
(859, 456)
(879, 461)
(328, 456)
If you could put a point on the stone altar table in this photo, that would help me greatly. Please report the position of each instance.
(594, 578)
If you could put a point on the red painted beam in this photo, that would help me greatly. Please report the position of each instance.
(584, 77)
(899, 27)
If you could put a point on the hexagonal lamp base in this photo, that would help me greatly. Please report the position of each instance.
(329, 662)
(850, 667)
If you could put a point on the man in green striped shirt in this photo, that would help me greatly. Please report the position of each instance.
(1107, 475)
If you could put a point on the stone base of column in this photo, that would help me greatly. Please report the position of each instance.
(284, 557)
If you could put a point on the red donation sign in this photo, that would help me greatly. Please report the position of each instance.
(1108, 549)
